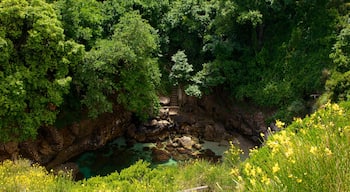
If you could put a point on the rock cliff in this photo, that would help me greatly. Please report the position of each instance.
(211, 118)
(55, 146)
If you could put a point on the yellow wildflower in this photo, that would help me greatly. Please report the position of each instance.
(275, 168)
(299, 180)
(262, 135)
(265, 180)
(252, 181)
(328, 151)
(280, 124)
(253, 150)
(234, 171)
(253, 172)
(289, 152)
(298, 119)
(313, 150)
(258, 170)
(247, 168)
(335, 107)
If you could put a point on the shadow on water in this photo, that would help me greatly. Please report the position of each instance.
(115, 156)
(118, 155)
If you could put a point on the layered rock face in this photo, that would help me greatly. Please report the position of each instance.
(197, 120)
(212, 118)
(56, 146)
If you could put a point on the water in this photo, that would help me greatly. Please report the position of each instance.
(117, 155)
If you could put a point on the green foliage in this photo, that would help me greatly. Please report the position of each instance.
(181, 70)
(35, 62)
(205, 79)
(185, 26)
(341, 50)
(81, 20)
(150, 10)
(22, 175)
(123, 69)
(338, 85)
(310, 155)
(272, 52)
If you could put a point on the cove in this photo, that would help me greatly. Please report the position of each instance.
(120, 154)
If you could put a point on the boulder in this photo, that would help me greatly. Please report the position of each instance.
(163, 113)
(197, 146)
(163, 124)
(215, 132)
(46, 149)
(182, 150)
(179, 157)
(160, 156)
(164, 100)
(186, 142)
(209, 153)
(209, 133)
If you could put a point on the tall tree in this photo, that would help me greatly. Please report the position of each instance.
(123, 69)
(34, 66)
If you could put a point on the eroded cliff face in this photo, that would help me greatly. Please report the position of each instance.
(56, 146)
(212, 118)
(216, 113)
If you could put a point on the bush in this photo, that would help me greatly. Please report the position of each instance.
(21, 175)
(310, 155)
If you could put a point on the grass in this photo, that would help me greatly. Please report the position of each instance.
(309, 155)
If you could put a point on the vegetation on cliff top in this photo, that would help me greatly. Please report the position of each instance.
(54, 54)
(65, 56)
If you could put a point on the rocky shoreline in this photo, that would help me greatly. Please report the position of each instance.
(196, 120)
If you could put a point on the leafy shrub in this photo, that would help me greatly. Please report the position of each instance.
(21, 175)
(310, 155)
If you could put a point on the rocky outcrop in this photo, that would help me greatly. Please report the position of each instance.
(182, 127)
(210, 118)
(56, 146)
(217, 114)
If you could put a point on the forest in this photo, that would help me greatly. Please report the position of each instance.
(61, 57)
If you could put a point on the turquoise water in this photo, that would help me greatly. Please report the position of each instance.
(117, 155)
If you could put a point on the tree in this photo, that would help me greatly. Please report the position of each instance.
(181, 70)
(123, 69)
(82, 20)
(338, 86)
(185, 27)
(34, 66)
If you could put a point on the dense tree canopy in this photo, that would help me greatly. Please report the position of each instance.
(273, 53)
(35, 61)
(125, 65)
